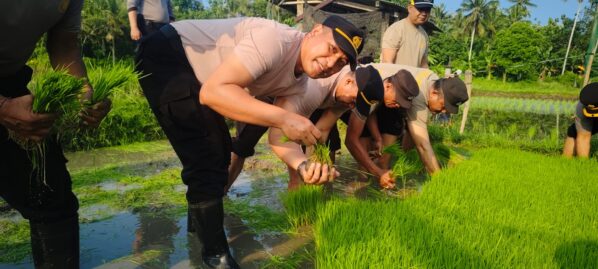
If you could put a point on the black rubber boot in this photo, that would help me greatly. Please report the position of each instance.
(208, 217)
(56, 244)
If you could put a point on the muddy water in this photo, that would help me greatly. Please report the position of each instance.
(157, 239)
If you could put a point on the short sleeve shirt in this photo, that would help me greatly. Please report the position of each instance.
(268, 50)
(319, 93)
(24, 22)
(410, 40)
(419, 112)
(152, 10)
(581, 121)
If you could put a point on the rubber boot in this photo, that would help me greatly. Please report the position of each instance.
(56, 244)
(208, 217)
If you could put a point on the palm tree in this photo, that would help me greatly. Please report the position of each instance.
(520, 9)
(579, 2)
(475, 12)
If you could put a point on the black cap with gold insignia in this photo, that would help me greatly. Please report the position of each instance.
(347, 36)
(589, 98)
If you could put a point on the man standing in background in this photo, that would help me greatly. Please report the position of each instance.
(147, 16)
(406, 42)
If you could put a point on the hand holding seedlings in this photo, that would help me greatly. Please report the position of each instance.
(300, 129)
(387, 181)
(92, 115)
(16, 115)
(316, 173)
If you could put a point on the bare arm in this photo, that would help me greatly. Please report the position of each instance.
(372, 124)
(388, 55)
(421, 140)
(135, 32)
(357, 150)
(64, 51)
(223, 92)
(291, 154)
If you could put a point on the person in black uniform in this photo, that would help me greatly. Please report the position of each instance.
(51, 208)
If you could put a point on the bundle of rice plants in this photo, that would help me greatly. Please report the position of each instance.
(106, 80)
(56, 92)
(321, 154)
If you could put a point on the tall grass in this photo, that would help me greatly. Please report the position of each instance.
(537, 89)
(499, 209)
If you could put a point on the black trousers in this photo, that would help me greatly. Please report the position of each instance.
(19, 187)
(198, 134)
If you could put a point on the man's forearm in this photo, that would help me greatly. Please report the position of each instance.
(428, 158)
(361, 156)
(64, 52)
(132, 14)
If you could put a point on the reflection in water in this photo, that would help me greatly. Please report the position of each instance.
(154, 238)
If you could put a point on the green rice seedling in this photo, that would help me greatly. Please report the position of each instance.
(57, 92)
(321, 154)
(105, 80)
(302, 205)
(498, 209)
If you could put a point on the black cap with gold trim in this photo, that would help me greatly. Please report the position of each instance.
(589, 98)
(347, 36)
(370, 89)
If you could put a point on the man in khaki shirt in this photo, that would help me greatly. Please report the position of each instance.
(196, 72)
(405, 42)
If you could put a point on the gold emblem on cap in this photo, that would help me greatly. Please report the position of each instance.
(348, 39)
(356, 41)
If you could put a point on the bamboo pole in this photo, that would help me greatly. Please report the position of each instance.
(586, 78)
(468, 84)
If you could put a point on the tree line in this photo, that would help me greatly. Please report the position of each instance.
(492, 41)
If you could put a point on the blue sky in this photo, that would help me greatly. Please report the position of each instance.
(544, 8)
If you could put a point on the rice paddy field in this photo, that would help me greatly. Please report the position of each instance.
(498, 209)
(504, 199)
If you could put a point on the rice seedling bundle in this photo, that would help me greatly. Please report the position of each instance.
(105, 80)
(499, 209)
(321, 154)
(54, 91)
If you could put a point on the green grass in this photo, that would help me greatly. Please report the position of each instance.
(542, 90)
(14, 245)
(302, 205)
(500, 209)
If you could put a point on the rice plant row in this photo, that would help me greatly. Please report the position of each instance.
(535, 106)
(499, 209)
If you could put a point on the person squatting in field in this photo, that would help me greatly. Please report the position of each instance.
(51, 206)
(196, 72)
(580, 132)
(360, 91)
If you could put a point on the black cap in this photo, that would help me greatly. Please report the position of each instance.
(370, 89)
(423, 3)
(347, 36)
(455, 94)
(589, 98)
(405, 86)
